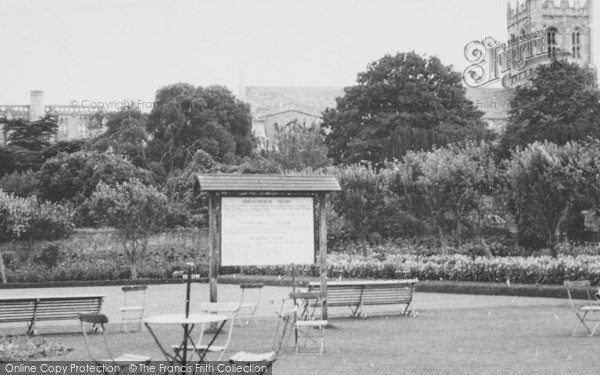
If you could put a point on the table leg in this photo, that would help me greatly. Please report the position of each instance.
(202, 354)
(170, 359)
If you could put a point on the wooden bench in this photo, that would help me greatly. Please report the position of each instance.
(356, 294)
(34, 309)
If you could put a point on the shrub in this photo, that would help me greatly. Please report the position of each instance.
(21, 184)
(547, 183)
(74, 177)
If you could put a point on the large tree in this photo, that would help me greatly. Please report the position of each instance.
(26, 141)
(401, 103)
(561, 104)
(31, 135)
(125, 136)
(188, 118)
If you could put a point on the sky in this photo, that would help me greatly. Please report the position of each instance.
(104, 51)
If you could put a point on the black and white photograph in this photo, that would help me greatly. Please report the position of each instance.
(279, 187)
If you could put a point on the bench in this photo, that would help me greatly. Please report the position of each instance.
(34, 309)
(356, 294)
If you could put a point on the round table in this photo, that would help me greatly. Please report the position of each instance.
(188, 324)
(219, 307)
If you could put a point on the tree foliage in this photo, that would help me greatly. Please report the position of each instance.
(125, 136)
(74, 177)
(545, 182)
(361, 202)
(401, 103)
(300, 146)
(444, 188)
(20, 184)
(31, 135)
(31, 220)
(189, 118)
(561, 104)
(134, 210)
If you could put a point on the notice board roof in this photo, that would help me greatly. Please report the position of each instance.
(267, 183)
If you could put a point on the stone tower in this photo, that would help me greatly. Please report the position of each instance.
(37, 107)
(567, 25)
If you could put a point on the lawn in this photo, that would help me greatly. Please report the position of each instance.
(452, 334)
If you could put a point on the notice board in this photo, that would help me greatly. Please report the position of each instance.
(264, 231)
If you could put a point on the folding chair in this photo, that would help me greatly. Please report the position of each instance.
(219, 345)
(586, 313)
(249, 303)
(312, 335)
(98, 321)
(282, 336)
(308, 303)
(133, 307)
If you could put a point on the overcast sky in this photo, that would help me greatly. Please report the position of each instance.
(109, 50)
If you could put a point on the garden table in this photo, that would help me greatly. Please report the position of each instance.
(188, 324)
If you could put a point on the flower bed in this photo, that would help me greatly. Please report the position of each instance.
(97, 256)
(20, 348)
(525, 270)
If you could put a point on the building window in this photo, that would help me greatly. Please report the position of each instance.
(551, 34)
(576, 41)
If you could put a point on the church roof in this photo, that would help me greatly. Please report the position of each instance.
(265, 100)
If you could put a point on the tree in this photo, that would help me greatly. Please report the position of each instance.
(134, 210)
(544, 184)
(189, 118)
(361, 200)
(300, 146)
(401, 103)
(125, 136)
(74, 177)
(561, 104)
(26, 142)
(33, 136)
(444, 188)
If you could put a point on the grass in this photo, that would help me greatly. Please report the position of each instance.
(451, 335)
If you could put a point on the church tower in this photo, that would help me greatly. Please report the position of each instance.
(566, 24)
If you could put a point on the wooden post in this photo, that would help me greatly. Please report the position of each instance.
(293, 278)
(323, 249)
(213, 238)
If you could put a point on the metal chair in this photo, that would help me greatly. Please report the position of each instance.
(95, 323)
(312, 335)
(249, 303)
(282, 337)
(219, 346)
(585, 313)
(133, 307)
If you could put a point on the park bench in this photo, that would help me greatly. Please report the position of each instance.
(356, 294)
(34, 309)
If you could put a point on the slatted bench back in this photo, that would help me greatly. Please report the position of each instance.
(26, 309)
(371, 293)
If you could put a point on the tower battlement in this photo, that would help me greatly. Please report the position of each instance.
(572, 8)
